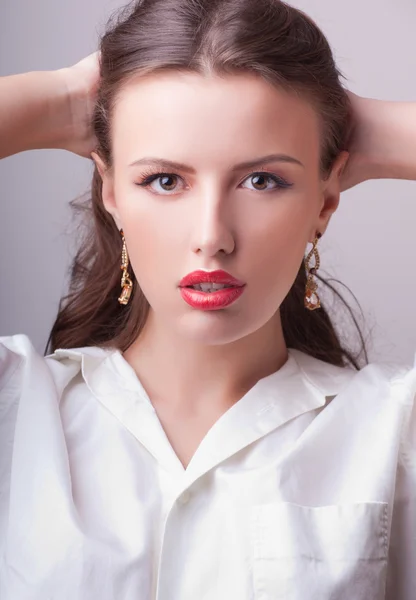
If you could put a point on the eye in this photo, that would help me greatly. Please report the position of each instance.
(165, 182)
(261, 180)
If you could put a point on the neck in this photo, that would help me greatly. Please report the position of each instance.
(191, 376)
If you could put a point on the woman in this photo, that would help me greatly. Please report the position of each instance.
(199, 431)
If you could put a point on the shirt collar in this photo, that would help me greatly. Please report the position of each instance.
(102, 368)
(328, 379)
(301, 385)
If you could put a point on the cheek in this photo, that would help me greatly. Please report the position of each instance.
(153, 242)
(278, 244)
(275, 269)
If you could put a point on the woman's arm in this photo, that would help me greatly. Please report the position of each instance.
(383, 141)
(49, 109)
(33, 111)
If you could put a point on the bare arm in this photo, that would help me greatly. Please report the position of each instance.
(391, 139)
(383, 142)
(49, 109)
(33, 111)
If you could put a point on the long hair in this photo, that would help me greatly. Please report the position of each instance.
(265, 37)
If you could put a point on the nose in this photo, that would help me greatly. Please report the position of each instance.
(212, 232)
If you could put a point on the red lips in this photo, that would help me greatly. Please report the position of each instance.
(214, 299)
(197, 277)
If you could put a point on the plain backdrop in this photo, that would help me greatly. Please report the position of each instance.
(370, 244)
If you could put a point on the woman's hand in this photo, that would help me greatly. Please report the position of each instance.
(81, 81)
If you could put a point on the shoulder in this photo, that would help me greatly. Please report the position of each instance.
(15, 352)
(390, 378)
(374, 378)
(24, 369)
(381, 393)
(31, 388)
(19, 359)
(29, 380)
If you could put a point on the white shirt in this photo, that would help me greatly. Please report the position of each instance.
(305, 489)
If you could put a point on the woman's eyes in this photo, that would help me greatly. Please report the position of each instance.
(166, 182)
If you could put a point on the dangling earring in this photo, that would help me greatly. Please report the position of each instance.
(312, 301)
(126, 282)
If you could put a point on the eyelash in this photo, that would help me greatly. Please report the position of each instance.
(150, 176)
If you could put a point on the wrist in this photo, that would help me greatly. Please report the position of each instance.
(47, 120)
(75, 133)
(66, 102)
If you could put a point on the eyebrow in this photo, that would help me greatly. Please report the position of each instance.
(258, 162)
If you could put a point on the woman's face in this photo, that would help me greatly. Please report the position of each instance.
(213, 209)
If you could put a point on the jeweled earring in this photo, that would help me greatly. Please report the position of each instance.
(312, 301)
(126, 282)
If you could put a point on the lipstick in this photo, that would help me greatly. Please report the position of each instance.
(210, 290)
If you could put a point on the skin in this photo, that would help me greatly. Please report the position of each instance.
(214, 218)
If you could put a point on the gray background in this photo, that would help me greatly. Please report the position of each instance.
(370, 244)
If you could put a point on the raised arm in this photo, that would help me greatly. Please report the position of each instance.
(33, 108)
(49, 109)
(383, 141)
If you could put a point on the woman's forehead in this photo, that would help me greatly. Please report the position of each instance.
(219, 113)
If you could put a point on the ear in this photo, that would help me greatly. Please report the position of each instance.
(107, 188)
(331, 191)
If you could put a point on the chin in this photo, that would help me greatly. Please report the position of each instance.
(215, 328)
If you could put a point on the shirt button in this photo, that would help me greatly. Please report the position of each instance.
(184, 497)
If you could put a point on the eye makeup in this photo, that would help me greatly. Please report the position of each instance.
(153, 174)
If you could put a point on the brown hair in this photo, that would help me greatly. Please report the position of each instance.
(266, 37)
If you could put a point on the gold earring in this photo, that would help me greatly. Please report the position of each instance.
(312, 301)
(126, 282)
